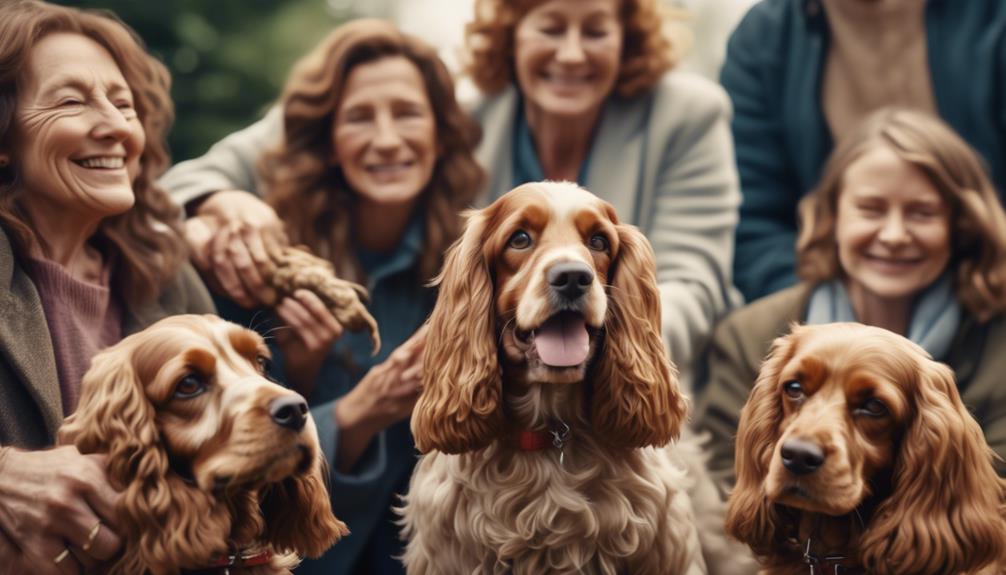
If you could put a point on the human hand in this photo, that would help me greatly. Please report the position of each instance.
(57, 512)
(311, 332)
(387, 394)
(228, 240)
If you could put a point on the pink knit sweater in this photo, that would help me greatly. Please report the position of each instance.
(83, 318)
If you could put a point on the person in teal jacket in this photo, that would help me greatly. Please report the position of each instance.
(367, 160)
(798, 70)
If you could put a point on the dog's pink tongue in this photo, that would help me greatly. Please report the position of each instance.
(562, 341)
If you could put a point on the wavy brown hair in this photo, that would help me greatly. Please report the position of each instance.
(146, 241)
(977, 220)
(311, 195)
(647, 51)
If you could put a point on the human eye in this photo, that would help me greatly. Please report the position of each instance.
(923, 212)
(597, 28)
(551, 27)
(870, 209)
(70, 100)
(410, 110)
(357, 116)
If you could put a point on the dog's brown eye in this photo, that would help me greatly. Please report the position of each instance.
(190, 386)
(793, 389)
(873, 407)
(599, 243)
(264, 364)
(520, 240)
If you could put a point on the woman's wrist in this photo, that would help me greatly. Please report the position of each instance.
(351, 416)
(356, 432)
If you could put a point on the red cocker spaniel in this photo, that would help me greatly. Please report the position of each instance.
(855, 454)
(547, 397)
(218, 464)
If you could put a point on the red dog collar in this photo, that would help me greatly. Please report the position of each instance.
(532, 440)
(238, 560)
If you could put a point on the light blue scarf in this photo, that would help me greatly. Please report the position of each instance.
(935, 318)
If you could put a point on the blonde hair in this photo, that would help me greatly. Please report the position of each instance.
(648, 51)
(977, 220)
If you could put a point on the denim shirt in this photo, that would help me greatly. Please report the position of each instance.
(363, 498)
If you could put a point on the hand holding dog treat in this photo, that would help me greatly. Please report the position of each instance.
(291, 268)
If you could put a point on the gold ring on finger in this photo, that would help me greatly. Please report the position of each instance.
(90, 536)
(62, 555)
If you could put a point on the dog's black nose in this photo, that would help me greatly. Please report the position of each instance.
(289, 411)
(570, 279)
(801, 457)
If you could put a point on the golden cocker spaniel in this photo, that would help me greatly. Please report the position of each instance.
(220, 466)
(547, 399)
(855, 454)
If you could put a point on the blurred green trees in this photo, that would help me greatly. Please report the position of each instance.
(228, 58)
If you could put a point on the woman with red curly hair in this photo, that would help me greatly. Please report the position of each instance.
(580, 90)
(90, 251)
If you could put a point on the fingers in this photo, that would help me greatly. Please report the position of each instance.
(308, 317)
(237, 255)
(328, 325)
(297, 318)
(53, 556)
(99, 544)
(199, 233)
(241, 257)
(224, 271)
(12, 561)
(101, 497)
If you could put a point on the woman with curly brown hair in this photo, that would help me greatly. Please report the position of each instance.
(905, 231)
(580, 90)
(90, 251)
(368, 161)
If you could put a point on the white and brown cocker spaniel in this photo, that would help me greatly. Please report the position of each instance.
(548, 399)
(855, 454)
(220, 467)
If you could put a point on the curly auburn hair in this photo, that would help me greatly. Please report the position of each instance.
(146, 241)
(647, 51)
(311, 195)
(977, 220)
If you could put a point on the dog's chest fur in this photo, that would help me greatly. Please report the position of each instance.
(506, 511)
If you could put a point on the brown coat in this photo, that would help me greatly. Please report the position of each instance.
(742, 340)
(30, 406)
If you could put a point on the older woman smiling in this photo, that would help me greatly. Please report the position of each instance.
(580, 90)
(90, 251)
(905, 232)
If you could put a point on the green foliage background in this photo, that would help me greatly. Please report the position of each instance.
(228, 58)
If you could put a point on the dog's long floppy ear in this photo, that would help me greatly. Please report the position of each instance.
(459, 409)
(945, 514)
(298, 511)
(751, 517)
(635, 398)
(171, 524)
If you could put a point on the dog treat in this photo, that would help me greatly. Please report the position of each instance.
(292, 268)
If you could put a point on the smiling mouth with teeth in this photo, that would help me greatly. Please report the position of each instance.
(382, 168)
(105, 163)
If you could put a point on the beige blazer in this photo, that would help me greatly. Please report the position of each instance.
(665, 161)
